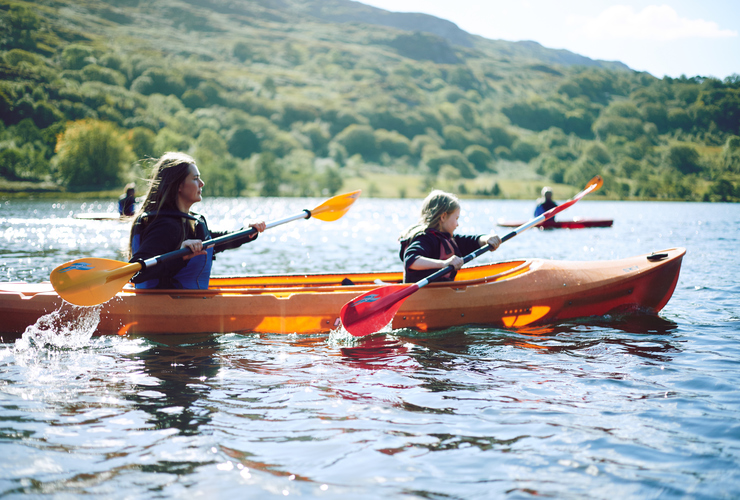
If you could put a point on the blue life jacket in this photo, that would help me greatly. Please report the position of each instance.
(197, 272)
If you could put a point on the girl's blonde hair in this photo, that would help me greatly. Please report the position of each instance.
(436, 204)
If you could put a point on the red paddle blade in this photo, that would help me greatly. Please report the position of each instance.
(372, 310)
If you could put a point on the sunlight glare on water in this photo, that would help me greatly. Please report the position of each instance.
(607, 407)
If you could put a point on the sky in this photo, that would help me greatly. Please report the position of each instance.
(662, 37)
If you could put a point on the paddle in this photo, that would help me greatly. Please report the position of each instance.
(373, 310)
(92, 281)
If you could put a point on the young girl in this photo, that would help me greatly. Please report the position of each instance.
(430, 244)
(164, 223)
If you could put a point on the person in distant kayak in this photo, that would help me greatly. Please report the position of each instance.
(545, 203)
(164, 223)
(431, 244)
(127, 201)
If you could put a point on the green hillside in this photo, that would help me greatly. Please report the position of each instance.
(307, 97)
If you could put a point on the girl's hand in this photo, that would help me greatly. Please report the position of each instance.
(259, 225)
(195, 246)
(455, 261)
(494, 241)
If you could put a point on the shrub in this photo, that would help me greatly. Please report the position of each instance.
(92, 154)
(76, 56)
(14, 56)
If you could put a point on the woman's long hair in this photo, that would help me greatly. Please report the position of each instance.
(169, 171)
(433, 208)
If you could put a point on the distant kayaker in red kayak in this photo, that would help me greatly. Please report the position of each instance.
(545, 203)
(164, 223)
(431, 244)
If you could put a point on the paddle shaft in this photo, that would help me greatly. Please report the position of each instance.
(182, 252)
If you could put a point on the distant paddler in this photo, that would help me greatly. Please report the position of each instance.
(127, 201)
(545, 203)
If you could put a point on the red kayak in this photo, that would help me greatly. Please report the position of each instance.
(574, 223)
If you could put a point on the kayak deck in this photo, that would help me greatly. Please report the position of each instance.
(508, 294)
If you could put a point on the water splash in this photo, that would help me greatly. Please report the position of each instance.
(341, 337)
(69, 327)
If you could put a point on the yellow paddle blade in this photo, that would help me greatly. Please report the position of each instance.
(334, 208)
(594, 184)
(91, 281)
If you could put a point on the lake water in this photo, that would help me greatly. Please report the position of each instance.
(598, 408)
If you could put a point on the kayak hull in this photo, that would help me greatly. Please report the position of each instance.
(508, 294)
(575, 223)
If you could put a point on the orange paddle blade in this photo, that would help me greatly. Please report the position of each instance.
(91, 281)
(334, 208)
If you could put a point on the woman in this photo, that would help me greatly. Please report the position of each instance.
(165, 223)
(431, 244)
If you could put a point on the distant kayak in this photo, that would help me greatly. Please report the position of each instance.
(574, 223)
(101, 216)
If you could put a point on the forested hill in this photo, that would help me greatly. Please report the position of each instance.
(304, 97)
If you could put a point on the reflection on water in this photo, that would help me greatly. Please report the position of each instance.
(175, 383)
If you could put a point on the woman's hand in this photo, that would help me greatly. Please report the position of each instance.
(195, 246)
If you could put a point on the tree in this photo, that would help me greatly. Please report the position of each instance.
(331, 181)
(269, 173)
(479, 156)
(392, 142)
(358, 139)
(684, 158)
(23, 24)
(242, 51)
(142, 141)
(242, 142)
(92, 154)
(730, 158)
(435, 159)
(524, 151)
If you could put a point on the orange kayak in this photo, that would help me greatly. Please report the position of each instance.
(507, 294)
